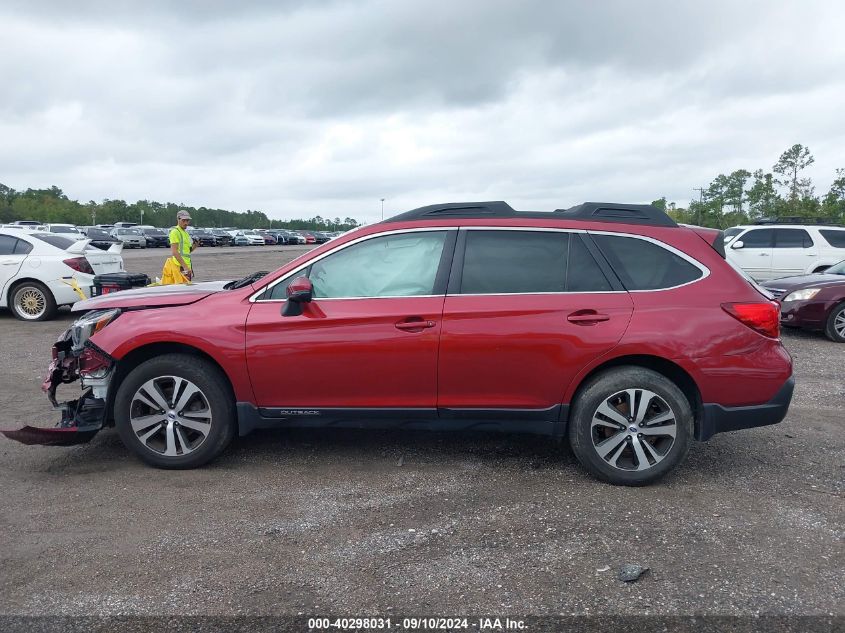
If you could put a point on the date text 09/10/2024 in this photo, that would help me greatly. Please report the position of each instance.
(420, 624)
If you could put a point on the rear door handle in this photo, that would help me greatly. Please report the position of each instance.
(764, 254)
(587, 317)
(418, 324)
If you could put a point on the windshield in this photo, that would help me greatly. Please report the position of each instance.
(98, 234)
(731, 233)
(836, 269)
(153, 232)
(62, 229)
(128, 232)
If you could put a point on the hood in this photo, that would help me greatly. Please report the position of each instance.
(152, 296)
(818, 280)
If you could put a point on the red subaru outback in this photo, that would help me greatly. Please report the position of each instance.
(607, 324)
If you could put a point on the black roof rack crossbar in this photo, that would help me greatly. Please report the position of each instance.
(613, 212)
(497, 209)
(595, 211)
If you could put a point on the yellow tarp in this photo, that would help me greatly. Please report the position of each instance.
(172, 273)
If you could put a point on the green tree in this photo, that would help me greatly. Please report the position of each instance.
(735, 189)
(833, 204)
(789, 167)
(762, 196)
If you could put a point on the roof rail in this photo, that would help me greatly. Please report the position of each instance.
(594, 211)
(796, 219)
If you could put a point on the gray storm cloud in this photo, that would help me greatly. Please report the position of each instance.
(305, 108)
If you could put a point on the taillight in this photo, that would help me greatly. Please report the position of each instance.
(760, 317)
(80, 264)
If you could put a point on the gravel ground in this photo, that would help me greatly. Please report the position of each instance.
(359, 523)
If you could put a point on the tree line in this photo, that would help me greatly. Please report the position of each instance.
(742, 196)
(53, 206)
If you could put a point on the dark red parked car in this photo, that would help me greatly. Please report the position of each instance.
(607, 324)
(813, 302)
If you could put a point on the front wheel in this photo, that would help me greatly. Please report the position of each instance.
(175, 411)
(835, 327)
(630, 426)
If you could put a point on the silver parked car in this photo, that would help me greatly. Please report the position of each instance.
(131, 238)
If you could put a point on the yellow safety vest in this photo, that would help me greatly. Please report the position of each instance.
(183, 239)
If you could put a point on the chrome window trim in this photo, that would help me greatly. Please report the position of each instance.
(704, 270)
(428, 229)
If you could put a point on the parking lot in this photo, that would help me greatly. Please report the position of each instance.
(375, 522)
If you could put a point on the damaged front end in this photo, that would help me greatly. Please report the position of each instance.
(75, 357)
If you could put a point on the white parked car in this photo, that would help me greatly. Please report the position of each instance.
(131, 237)
(255, 239)
(66, 230)
(36, 269)
(770, 251)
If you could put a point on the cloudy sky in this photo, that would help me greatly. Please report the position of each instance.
(305, 108)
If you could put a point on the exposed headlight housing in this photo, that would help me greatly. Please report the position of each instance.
(88, 325)
(802, 295)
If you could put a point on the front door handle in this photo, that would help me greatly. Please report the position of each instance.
(764, 254)
(587, 317)
(416, 324)
(8, 262)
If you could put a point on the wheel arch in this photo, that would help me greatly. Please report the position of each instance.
(667, 368)
(148, 351)
(17, 281)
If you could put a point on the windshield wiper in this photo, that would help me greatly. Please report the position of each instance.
(246, 281)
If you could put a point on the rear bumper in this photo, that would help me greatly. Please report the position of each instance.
(718, 419)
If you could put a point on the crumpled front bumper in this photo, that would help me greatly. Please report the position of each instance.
(82, 418)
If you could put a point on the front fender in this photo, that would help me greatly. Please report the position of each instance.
(211, 332)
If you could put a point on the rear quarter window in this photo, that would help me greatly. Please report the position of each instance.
(643, 265)
(834, 238)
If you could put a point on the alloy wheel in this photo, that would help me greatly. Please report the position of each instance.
(633, 430)
(839, 323)
(170, 416)
(30, 302)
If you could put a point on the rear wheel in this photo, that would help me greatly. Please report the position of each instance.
(630, 426)
(835, 328)
(32, 301)
(175, 411)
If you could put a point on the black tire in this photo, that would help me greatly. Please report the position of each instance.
(23, 290)
(838, 312)
(214, 388)
(600, 390)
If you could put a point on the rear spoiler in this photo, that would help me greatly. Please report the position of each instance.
(78, 247)
(714, 237)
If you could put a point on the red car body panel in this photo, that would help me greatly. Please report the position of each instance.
(521, 351)
(346, 353)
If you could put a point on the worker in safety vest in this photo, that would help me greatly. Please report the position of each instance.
(177, 268)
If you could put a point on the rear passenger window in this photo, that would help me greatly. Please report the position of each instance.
(7, 244)
(758, 238)
(792, 238)
(514, 262)
(834, 238)
(643, 265)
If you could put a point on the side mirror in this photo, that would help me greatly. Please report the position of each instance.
(737, 244)
(299, 291)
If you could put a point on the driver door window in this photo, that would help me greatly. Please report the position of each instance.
(400, 265)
